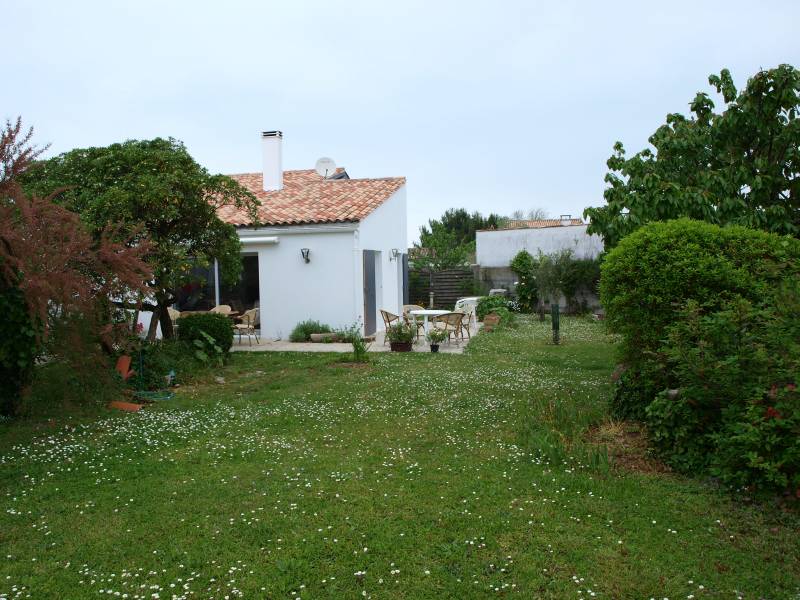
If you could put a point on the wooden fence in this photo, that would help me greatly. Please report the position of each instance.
(448, 286)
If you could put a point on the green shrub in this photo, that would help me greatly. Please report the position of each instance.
(648, 278)
(489, 304)
(303, 330)
(737, 410)
(160, 357)
(352, 335)
(401, 332)
(19, 348)
(524, 267)
(507, 318)
(217, 326)
(580, 275)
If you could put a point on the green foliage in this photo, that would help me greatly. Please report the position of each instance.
(353, 336)
(448, 242)
(737, 411)
(710, 323)
(507, 318)
(303, 330)
(19, 347)
(401, 332)
(219, 327)
(489, 304)
(161, 357)
(548, 276)
(151, 190)
(436, 336)
(653, 272)
(740, 166)
(461, 224)
(207, 350)
(580, 275)
(524, 267)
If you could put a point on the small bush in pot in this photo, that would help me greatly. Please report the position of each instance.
(436, 337)
(400, 336)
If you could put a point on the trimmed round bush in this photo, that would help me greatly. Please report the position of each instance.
(217, 326)
(303, 330)
(650, 276)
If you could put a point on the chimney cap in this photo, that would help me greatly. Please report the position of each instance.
(272, 134)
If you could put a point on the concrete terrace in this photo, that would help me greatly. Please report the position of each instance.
(454, 347)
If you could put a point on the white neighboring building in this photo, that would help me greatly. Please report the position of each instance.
(497, 247)
(329, 249)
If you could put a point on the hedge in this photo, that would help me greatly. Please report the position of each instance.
(649, 277)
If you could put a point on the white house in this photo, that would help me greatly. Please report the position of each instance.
(329, 249)
(496, 248)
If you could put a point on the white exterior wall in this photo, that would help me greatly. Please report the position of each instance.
(497, 248)
(383, 230)
(291, 290)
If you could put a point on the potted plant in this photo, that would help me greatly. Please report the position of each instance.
(436, 337)
(400, 336)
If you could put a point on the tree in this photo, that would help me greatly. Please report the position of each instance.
(16, 155)
(524, 266)
(740, 166)
(442, 250)
(155, 192)
(51, 268)
(448, 242)
(534, 214)
(461, 224)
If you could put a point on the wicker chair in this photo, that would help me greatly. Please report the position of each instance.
(467, 321)
(222, 309)
(451, 324)
(409, 318)
(388, 319)
(248, 326)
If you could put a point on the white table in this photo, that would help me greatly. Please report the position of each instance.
(425, 314)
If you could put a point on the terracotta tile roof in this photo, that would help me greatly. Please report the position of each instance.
(538, 223)
(308, 198)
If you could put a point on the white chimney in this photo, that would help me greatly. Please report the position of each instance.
(273, 162)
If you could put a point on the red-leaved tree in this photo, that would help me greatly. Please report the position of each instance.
(51, 269)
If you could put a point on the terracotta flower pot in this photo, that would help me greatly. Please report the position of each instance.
(400, 346)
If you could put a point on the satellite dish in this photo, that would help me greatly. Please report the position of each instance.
(325, 167)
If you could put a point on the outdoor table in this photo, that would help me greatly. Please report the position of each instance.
(427, 313)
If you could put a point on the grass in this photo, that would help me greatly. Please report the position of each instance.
(419, 476)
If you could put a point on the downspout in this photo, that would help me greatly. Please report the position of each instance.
(216, 282)
(356, 283)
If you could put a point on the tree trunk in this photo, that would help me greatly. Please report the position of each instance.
(151, 332)
(167, 331)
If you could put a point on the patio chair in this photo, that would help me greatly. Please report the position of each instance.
(467, 321)
(388, 319)
(222, 309)
(451, 324)
(248, 326)
(409, 318)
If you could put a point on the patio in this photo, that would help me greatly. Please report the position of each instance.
(454, 347)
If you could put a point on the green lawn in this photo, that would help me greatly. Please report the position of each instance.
(421, 476)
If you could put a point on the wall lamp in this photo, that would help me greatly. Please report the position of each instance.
(306, 254)
(395, 254)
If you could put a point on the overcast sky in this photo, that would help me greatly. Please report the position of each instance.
(491, 106)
